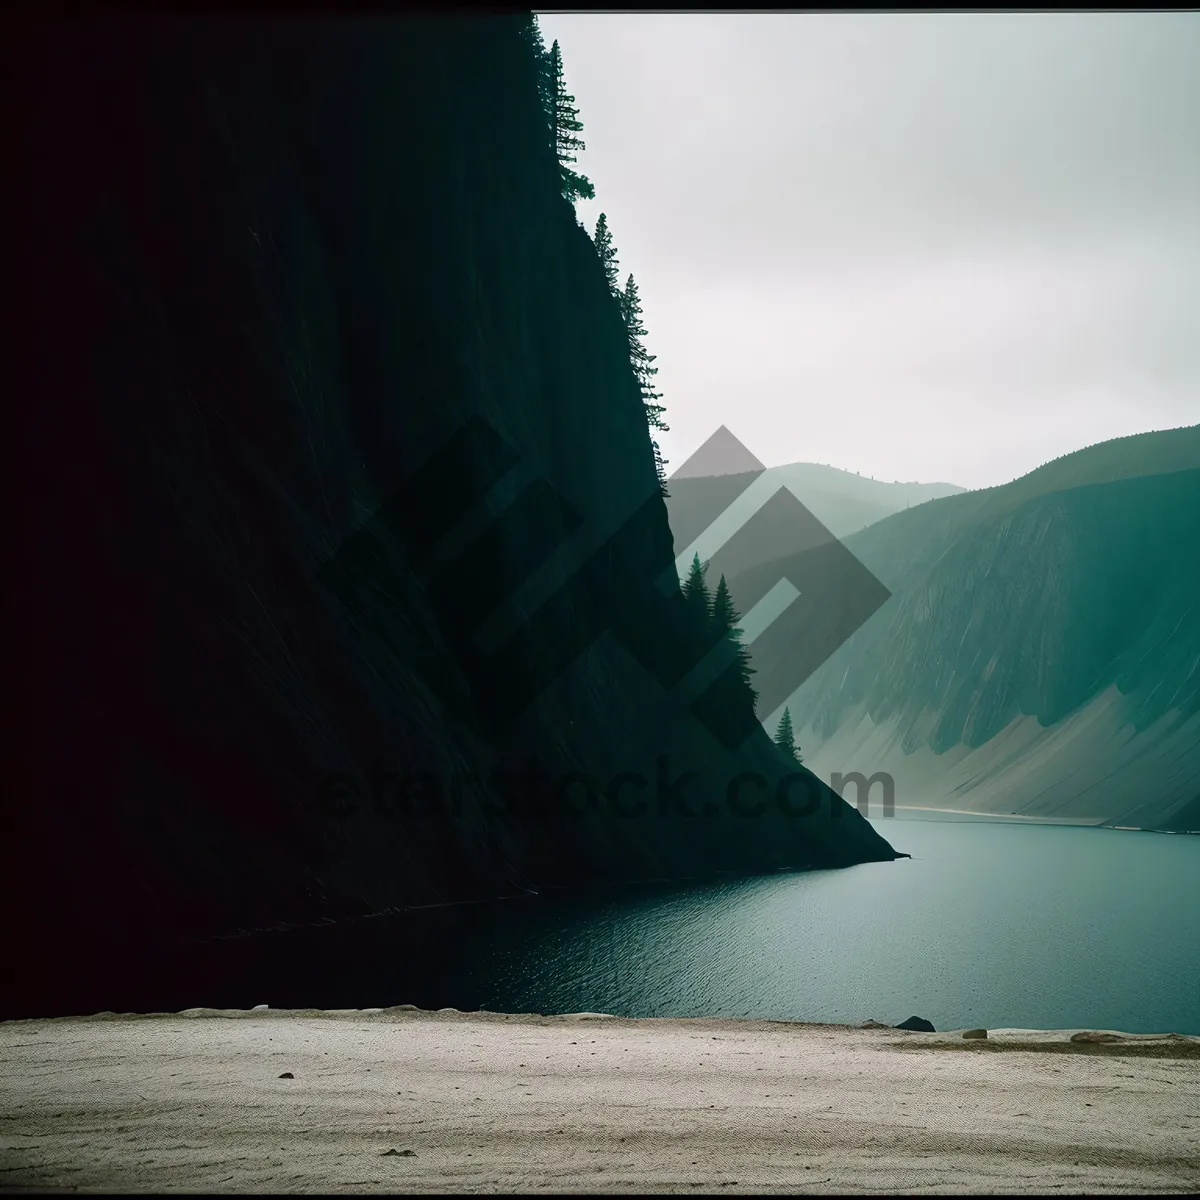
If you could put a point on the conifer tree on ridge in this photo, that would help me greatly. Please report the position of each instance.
(642, 361)
(608, 254)
(695, 592)
(566, 129)
(724, 621)
(785, 739)
(531, 33)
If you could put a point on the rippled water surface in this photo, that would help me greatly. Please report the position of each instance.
(989, 924)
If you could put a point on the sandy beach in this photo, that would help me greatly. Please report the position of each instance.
(410, 1101)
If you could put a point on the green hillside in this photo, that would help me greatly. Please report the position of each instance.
(1028, 600)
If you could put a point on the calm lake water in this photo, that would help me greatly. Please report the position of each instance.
(990, 924)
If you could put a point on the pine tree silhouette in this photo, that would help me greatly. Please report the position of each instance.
(724, 615)
(608, 254)
(642, 362)
(695, 592)
(531, 33)
(566, 128)
(785, 739)
(724, 621)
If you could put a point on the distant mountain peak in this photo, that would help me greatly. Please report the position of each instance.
(722, 454)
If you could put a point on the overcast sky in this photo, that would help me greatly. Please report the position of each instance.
(938, 247)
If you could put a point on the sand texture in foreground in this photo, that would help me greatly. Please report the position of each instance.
(400, 1101)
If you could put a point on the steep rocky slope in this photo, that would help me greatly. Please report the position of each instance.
(274, 270)
(1040, 654)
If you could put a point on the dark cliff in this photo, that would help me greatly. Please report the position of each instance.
(275, 270)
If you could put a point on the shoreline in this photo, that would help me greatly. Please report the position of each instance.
(403, 1099)
(985, 817)
(414, 1012)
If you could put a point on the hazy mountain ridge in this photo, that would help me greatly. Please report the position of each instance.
(1073, 587)
(1155, 453)
(842, 501)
